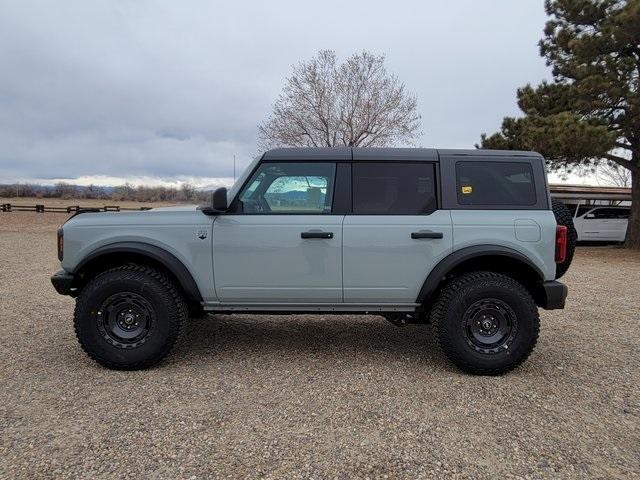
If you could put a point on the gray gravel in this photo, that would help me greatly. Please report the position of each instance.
(310, 396)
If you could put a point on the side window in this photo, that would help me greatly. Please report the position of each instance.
(289, 187)
(583, 209)
(597, 214)
(393, 188)
(495, 183)
(624, 213)
(609, 213)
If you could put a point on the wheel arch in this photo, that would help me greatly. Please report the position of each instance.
(115, 254)
(493, 258)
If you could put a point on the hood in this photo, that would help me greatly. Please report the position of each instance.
(176, 208)
(178, 215)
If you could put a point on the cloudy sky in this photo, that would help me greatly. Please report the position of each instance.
(166, 91)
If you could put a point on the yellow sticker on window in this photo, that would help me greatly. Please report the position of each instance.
(467, 189)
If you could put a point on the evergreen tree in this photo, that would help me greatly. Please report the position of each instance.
(591, 109)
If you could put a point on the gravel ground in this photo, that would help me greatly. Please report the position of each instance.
(316, 397)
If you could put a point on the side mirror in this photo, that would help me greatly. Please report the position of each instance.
(219, 199)
(590, 215)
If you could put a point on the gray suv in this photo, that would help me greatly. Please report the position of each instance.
(467, 240)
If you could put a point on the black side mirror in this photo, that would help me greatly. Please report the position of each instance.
(219, 200)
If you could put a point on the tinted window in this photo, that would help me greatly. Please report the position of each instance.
(583, 209)
(610, 213)
(289, 188)
(388, 188)
(495, 183)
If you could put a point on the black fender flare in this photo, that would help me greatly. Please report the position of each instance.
(160, 255)
(447, 264)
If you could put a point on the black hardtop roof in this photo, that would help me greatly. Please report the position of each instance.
(354, 153)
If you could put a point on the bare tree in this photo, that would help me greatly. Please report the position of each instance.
(355, 103)
(610, 173)
(187, 191)
(65, 190)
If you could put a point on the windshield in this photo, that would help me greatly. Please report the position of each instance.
(233, 191)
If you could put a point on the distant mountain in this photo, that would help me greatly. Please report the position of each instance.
(293, 196)
(211, 187)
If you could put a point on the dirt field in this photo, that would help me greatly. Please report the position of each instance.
(322, 397)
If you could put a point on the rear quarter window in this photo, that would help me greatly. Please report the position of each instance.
(495, 183)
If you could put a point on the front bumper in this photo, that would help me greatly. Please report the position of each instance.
(553, 295)
(63, 282)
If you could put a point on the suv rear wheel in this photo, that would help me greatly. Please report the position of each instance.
(485, 322)
(129, 318)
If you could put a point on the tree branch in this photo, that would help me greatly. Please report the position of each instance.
(623, 162)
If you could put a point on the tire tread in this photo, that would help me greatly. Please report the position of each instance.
(438, 315)
(564, 217)
(133, 270)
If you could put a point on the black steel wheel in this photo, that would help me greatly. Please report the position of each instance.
(129, 317)
(490, 325)
(125, 319)
(485, 322)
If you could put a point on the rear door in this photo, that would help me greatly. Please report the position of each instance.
(283, 241)
(621, 223)
(395, 234)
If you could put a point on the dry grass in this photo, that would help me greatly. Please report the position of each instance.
(304, 396)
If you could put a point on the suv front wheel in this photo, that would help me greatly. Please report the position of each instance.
(130, 317)
(485, 322)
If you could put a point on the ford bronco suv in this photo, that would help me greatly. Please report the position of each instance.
(467, 240)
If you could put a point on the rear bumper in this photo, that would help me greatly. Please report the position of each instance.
(63, 282)
(553, 295)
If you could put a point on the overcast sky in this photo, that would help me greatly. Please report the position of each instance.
(108, 91)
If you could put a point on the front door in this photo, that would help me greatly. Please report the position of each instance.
(396, 234)
(282, 243)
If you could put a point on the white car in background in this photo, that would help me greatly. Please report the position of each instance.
(601, 223)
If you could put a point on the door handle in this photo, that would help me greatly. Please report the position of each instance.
(426, 234)
(316, 235)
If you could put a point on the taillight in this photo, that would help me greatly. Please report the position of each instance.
(60, 244)
(561, 243)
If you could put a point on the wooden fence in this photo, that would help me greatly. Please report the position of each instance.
(39, 208)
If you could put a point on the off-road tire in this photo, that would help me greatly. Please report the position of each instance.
(451, 330)
(564, 217)
(167, 313)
